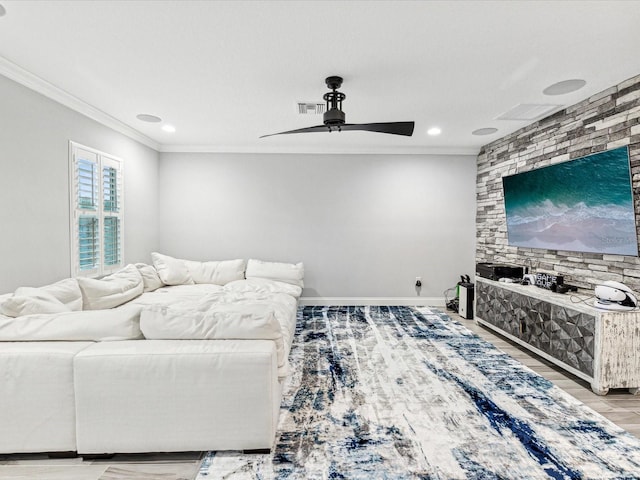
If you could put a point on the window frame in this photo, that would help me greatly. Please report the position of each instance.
(95, 208)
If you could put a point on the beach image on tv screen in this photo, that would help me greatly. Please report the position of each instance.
(583, 205)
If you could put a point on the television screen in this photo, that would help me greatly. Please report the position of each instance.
(583, 205)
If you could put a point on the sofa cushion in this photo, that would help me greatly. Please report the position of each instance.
(172, 271)
(121, 323)
(282, 272)
(168, 295)
(67, 291)
(263, 285)
(209, 320)
(216, 272)
(150, 277)
(28, 300)
(112, 290)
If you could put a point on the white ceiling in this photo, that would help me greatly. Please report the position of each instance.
(225, 72)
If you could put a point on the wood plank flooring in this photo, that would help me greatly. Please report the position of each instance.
(156, 466)
(618, 406)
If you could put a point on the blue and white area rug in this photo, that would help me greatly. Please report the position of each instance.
(403, 393)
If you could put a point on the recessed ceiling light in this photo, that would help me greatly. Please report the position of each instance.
(434, 131)
(145, 117)
(3, 11)
(566, 86)
(484, 131)
(169, 128)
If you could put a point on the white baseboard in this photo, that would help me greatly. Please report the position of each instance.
(406, 301)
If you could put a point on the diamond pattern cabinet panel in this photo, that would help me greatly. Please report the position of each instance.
(602, 347)
(536, 324)
(498, 307)
(572, 338)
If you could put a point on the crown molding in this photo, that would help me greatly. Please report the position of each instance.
(37, 84)
(321, 150)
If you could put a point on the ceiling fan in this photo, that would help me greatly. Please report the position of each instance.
(334, 117)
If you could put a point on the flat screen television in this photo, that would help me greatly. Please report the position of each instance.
(583, 205)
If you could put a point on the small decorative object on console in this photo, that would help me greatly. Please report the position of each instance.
(615, 296)
(548, 280)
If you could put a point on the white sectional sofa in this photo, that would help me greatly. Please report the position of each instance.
(178, 356)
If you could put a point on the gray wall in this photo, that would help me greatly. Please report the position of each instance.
(34, 198)
(604, 121)
(364, 225)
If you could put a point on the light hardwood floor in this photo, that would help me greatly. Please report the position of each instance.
(618, 406)
(168, 466)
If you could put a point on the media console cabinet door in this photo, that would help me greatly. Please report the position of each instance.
(619, 359)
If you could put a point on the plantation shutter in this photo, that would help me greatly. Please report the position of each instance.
(85, 220)
(96, 212)
(111, 206)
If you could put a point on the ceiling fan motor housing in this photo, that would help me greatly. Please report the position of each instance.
(333, 117)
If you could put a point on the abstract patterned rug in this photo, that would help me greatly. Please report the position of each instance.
(404, 393)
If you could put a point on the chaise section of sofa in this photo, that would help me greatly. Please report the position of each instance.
(176, 395)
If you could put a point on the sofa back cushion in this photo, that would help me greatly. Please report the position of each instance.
(28, 301)
(172, 271)
(281, 272)
(112, 290)
(150, 277)
(216, 272)
(177, 271)
(67, 291)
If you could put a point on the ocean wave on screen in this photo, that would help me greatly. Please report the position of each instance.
(549, 213)
(602, 228)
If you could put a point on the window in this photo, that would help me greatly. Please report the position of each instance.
(96, 207)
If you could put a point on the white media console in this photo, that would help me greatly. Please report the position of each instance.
(599, 346)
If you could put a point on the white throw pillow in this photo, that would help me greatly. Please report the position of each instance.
(217, 273)
(282, 272)
(28, 300)
(112, 290)
(150, 277)
(67, 291)
(172, 271)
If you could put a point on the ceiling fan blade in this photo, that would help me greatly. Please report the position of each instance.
(393, 128)
(317, 128)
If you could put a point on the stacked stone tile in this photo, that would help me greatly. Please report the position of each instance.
(607, 120)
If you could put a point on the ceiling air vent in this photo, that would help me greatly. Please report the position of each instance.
(528, 111)
(310, 108)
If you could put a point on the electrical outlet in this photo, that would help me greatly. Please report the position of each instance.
(418, 281)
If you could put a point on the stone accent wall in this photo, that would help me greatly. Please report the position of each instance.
(604, 121)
